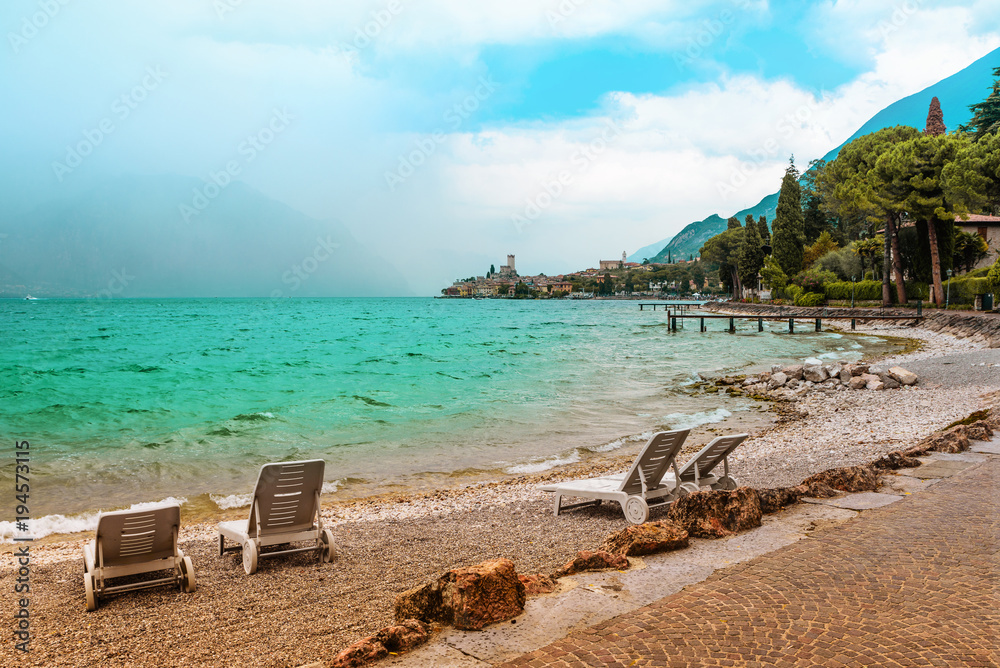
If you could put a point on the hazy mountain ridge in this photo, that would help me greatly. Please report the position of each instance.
(129, 237)
(955, 93)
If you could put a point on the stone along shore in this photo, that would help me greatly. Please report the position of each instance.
(295, 611)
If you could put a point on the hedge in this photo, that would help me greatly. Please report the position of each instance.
(964, 290)
(866, 291)
(810, 299)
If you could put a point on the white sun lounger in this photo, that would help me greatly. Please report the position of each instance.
(697, 472)
(285, 509)
(643, 485)
(133, 542)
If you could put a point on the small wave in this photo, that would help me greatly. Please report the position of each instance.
(370, 401)
(223, 431)
(254, 417)
(619, 442)
(685, 421)
(228, 502)
(51, 524)
(544, 465)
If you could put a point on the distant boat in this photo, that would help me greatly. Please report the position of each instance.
(31, 299)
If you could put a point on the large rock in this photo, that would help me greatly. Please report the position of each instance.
(895, 460)
(537, 584)
(858, 369)
(872, 382)
(846, 479)
(979, 431)
(794, 372)
(857, 382)
(845, 375)
(777, 380)
(888, 382)
(647, 538)
(403, 637)
(468, 598)
(773, 500)
(902, 376)
(716, 514)
(586, 560)
(814, 373)
(952, 440)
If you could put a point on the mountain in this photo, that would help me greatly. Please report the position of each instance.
(690, 240)
(159, 236)
(648, 251)
(956, 93)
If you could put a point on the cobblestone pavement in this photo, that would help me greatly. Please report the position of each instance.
(915, 583)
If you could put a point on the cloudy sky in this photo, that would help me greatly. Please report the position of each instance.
(447, 133)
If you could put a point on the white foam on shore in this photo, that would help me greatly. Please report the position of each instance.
(619, 442)
(686, 421)
(51, 524)
(545, 465)
(228, 502)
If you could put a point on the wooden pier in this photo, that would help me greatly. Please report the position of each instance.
(817, 321)
(679, 306)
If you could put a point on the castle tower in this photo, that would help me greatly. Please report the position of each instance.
(510, 263)
(623, 257)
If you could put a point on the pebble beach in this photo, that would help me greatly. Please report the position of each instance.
(295, 610)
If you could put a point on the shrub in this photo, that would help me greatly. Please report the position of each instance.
(790, 292)
(964, 290)
(810, 299)
(844, 262)
(863, 290)
(812, 280)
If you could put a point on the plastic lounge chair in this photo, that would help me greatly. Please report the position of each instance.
(697, 472)
(285, 509)
(133, 542)
(643, 485)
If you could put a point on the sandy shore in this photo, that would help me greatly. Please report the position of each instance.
(295, 610)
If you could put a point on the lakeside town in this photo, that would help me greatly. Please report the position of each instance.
(610, 279)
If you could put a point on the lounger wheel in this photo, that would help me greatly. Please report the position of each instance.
(188, 583)
(250, 557)
(636, 510)
(726, 482)
(326, 546)
(690, 488)
(88, 587)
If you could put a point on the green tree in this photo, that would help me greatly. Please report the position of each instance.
(869, 250)
(772, 275)
(911, 174)
(751, 255)
(629, 284)
(493, 270)
(763, 231)
(973, 177)
(824, 244)
(986, 114)
(732, 223)
(607, 285)
(788, 232)
(993, 276)
(723, 250)
(969, 249)
(851, 188)
(815, 221)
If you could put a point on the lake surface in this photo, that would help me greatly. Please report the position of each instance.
(130, 401)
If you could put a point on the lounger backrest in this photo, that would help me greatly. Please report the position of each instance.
(654, 459)
(136, 536)
(286, 496)
(710, 456)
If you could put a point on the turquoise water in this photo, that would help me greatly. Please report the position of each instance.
(128, 401)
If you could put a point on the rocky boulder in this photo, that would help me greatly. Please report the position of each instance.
(814, 373)
(888, 382)
(647, 538)
(537, 584)
(857, 382)
(586, 560)
(468, 598)
(845, 375)
(895, 460)
(794, 372)
(979, 431)
(777, 380)
(952, 440)
(902, 376)
(846, 479)
(859, 369)
(716, 514)
(773, 500)
(403, 637)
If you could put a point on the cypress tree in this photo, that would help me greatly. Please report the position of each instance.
(765, 234)
(732, 223)
(788, 230)
(935, 119)
(751, 255)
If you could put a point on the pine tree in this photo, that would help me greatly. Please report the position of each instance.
(788, 233)
(765, 234)
(732, 223)
(935, 119)
(986, 114)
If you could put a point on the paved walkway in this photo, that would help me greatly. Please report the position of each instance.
(915, 583)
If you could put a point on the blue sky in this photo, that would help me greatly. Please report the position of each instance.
(446, 134)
